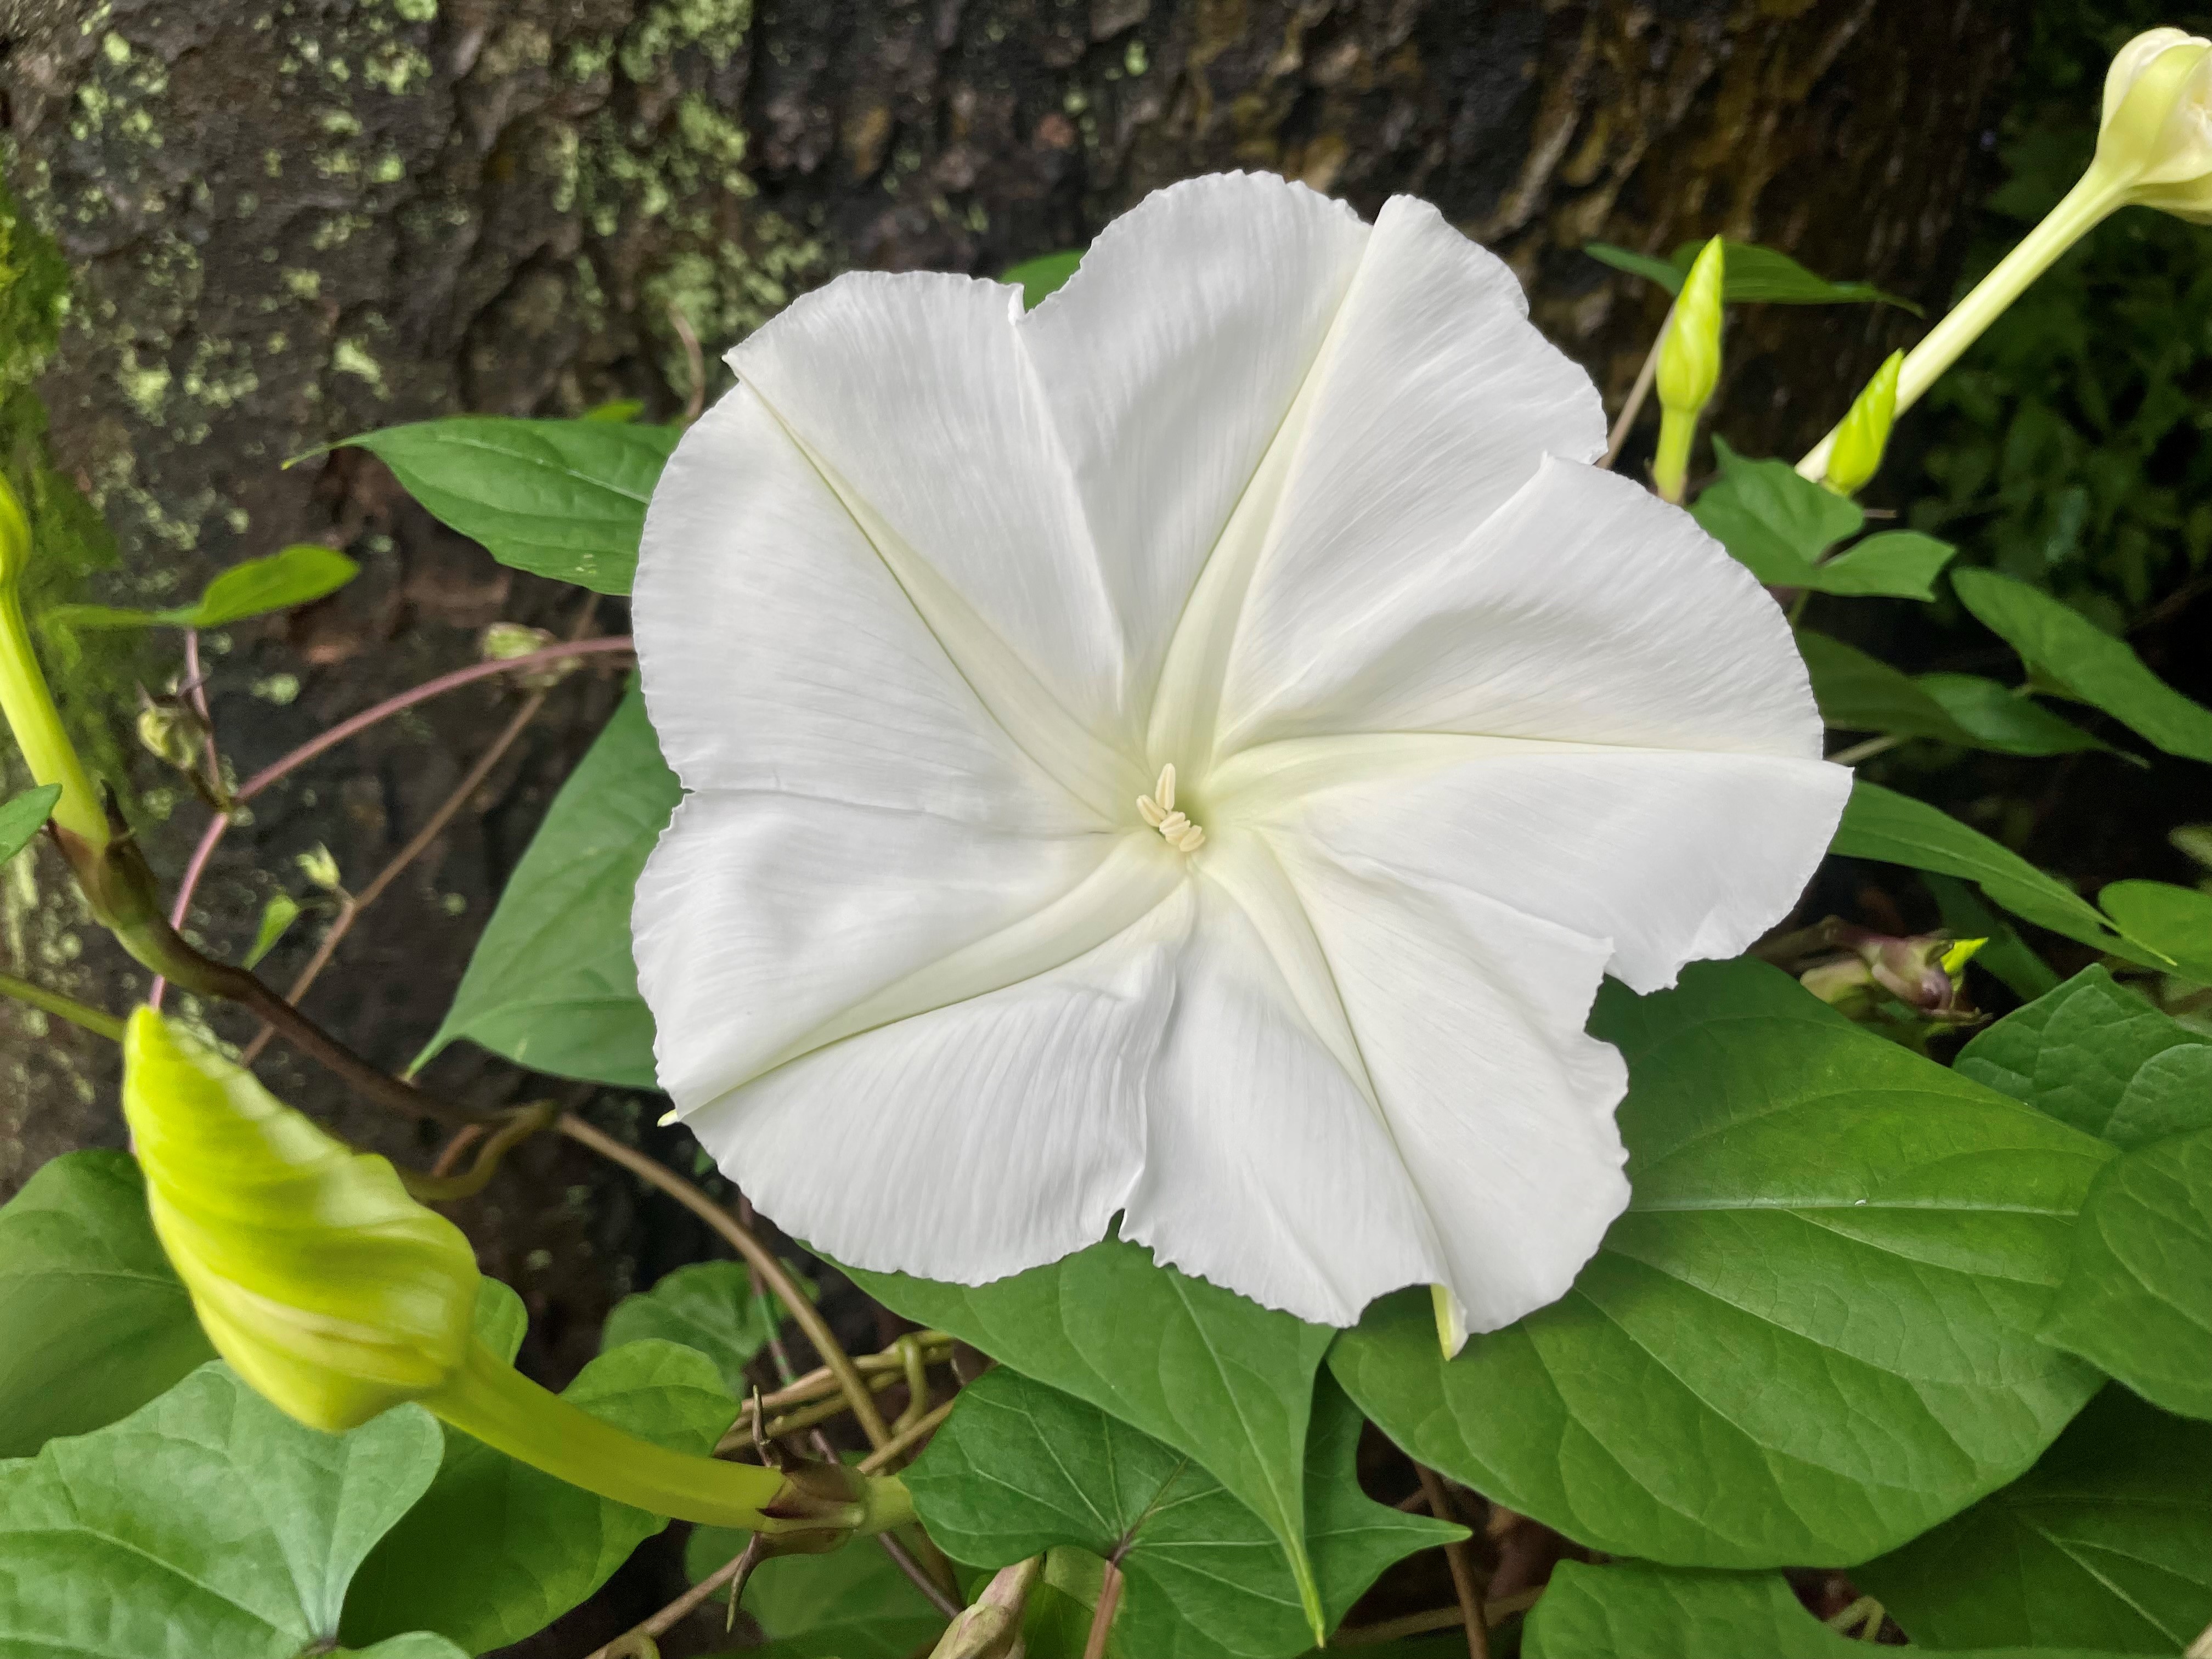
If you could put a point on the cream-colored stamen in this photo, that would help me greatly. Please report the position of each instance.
(1157, 809)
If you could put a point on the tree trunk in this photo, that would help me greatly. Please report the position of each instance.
(283, 222)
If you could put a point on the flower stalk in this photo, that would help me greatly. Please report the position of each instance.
(26, 701)
(2154, 150)
(337, 1296)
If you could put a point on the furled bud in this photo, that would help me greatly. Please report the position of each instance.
(2155, 137)
(990, 1627)
(1689, 366)
(325, 1286)
(337, 1296)
(320, 868)
(1864, 433)
(26, 705)
(1924, 972)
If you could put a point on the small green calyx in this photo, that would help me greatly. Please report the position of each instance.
(1864, 434)
(328, 1288)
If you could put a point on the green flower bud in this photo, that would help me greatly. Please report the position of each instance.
(170, 733)
(1689, 366)
(1690, 355)
(1864, 433)
(320, 868)
(2156, 135)
(27, 706)
(325, 1286)
(337, 1296)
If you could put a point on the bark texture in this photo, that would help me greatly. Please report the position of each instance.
(240, 229)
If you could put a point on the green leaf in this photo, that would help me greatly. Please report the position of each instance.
(1881, 825)
(421, 1644)
(565, 499)
(276, 919)
(93, 1322)
(851, 1603)
(1901, 564)
(2007, 721)
(1218, 1377)
(1630, 1610)
(709, 1306)
(1754, 274)
(23, 816)
(1773, 522)
(2106, 1544)
(207, 1522)
(1020, 1468)
(2098, 1056)
(1860, 693)
(298, 575)
(552, 984)
(2088, 664)
(2174, 921)
(1812, 1332)
(495, 1550)
(2137, 1299)
(1044, 275)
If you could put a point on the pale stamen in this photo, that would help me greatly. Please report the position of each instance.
(1157, 809)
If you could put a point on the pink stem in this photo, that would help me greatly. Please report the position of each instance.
(354, 726)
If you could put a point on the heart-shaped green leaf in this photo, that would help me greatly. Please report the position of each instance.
(1635, 1612)
(206, 1523)
(565, 499)
(2137, 1299)
(2096, 1055)
(1020, 1468)
(1812, 1335)
(551, 984)
(93, 1322)
(1898, 564)
(1218, 1377)
(1773, 522)
(2108, 1544)
(709, 1306)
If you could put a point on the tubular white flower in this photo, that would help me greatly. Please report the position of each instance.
(1191, 752)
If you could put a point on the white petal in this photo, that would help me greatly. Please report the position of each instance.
(1470, 1016)
(779, 653)
(1169, 360)
(761, 920)
(911, 393)
(1437, 399)
(973, 1141)
(1585, 609)
(1268, 1167)
(1674, 856)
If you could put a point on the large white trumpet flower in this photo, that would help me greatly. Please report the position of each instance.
(1191, 751)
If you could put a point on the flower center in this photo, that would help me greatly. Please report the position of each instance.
(1158, 809)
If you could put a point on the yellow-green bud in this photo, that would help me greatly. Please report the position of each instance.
(319, 867)
(1690, 355)
(503, 642)
(325, 1286)
(1864, 433)
(2155, 137)
(169, 733)
(27, 706)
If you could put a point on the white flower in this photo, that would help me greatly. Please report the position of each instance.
(2154, 139)
(1297, 508)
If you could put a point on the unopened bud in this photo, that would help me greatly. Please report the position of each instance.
(2155, 137)
(320, 869)
(170, 733)
(1923, 971)
(503, 642)
(1689, 366)
(325, 1286)
(991, 1626)
(1690, 355)
(1864, 433)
